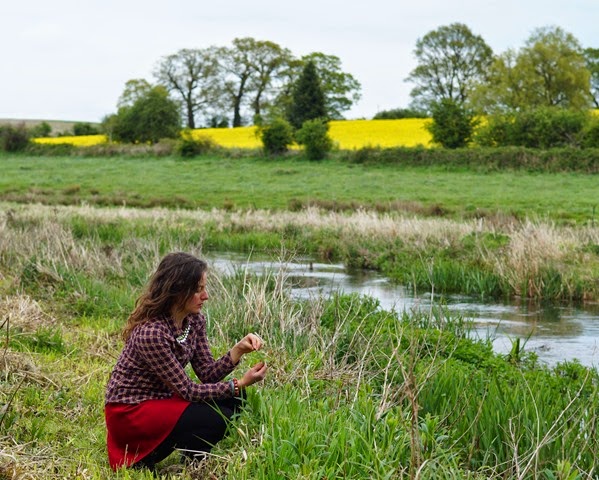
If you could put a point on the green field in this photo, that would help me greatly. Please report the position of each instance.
(260, 183)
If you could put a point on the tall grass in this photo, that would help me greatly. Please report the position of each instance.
(495, 257)
(353, 391)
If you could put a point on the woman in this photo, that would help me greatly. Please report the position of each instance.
(152, 406)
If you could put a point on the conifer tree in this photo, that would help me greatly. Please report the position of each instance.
(308, 101)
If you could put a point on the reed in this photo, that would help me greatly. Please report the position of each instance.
(531, 259)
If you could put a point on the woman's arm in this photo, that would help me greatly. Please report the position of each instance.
(203, 363)
(156, 349)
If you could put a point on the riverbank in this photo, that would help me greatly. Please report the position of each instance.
(484, 257)
(352, 392)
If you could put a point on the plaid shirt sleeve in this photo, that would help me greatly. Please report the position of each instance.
(156, 348)
(205, 367)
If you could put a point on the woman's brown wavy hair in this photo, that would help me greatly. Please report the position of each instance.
(174, 282)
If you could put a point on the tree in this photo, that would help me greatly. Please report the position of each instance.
(135, 89)
(308, 100)
(269, 61)
(591, 56)
(505, 88)
(559, 73)
(549, 71)
(340, 89)
(152, 117)
(237, 70)
(451, 60)
(251, 72)
(452, 124)
(193, 75)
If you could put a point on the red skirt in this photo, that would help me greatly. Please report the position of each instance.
(134, 431)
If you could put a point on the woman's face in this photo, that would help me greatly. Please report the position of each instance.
(194, 304)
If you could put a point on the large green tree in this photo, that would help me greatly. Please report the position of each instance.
(549, 71)
(193, 76)
(308, 100)
(249, 69)
(341, 89)
(151, 117)
(451, 60)
(135, 89)
(270, 62)
(591, 56)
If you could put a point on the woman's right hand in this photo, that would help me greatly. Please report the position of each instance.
(253, 375)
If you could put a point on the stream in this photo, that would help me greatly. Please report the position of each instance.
(554, 332)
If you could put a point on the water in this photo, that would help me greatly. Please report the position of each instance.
(556, 333)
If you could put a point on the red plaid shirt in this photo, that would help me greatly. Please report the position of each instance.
(152, 363)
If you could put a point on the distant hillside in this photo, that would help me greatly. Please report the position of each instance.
(58, 126)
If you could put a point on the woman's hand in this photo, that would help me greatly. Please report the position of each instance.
(253, 375)
(250, 343)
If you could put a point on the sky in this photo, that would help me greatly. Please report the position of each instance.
(70, 59)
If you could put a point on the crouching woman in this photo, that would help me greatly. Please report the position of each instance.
(152, 406)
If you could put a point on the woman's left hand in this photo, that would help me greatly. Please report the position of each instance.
(250, 343)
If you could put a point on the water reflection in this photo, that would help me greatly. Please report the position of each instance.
(554, 332)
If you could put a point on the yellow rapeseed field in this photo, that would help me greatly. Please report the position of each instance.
(79, 141)
(347, 135)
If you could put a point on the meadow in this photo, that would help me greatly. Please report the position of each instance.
(352, 391)
(502, 234)
(291, 182)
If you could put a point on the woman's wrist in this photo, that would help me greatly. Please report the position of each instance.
(235, 354)
(235, 388)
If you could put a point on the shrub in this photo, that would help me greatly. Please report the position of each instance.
(84, 128)
(276, 136)
(40, 130)
(188, 146)
(397, 113)
(452, 124)
(315, 138)
(546, 127)
(590, 135)
(14, 138)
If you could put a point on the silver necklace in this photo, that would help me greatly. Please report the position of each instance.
(183, 337)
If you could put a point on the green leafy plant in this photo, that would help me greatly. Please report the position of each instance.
(315, 138)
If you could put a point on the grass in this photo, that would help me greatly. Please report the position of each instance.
(291, 183)
(486, 257)
(352, 391)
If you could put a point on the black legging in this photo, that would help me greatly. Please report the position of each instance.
(199, 428)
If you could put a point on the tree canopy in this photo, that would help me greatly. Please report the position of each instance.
(192, 75)
(549, 71)
(451, 60)
(152, 117)
(239, 83)
(591, 56)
